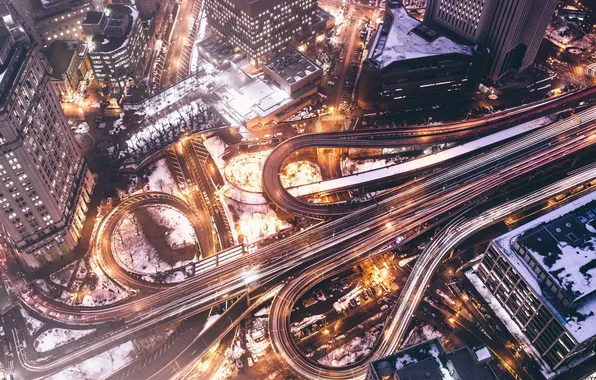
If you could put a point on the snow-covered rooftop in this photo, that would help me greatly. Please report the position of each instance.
(482, 353)
(403, 40)
(292, 66)
(257, 99)
(108, 44)
(563, 243)
(428, 360)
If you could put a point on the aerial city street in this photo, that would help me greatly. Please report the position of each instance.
(298, 189)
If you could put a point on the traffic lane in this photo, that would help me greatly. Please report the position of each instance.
(203, 214)
(275, 190)
(148, 365)
(282, 305)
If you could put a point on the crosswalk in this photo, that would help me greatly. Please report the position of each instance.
(175, 167)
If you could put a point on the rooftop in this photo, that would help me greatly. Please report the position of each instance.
(11, 70)
(562, 243)
(106, 44)
(292, 66)
(92, 17)
(60, 54)
(256, 99)
(216, 49)
(402, 37)
(428, 360)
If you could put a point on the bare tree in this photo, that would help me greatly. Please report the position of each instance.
(161, 183)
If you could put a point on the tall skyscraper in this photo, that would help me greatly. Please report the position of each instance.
(46, 183)
(511, 29)
(261, 28)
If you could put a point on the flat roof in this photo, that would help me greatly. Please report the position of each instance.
(563, 243)
(257, 99)
(292, 66)
(105, 44)
(407, 38)
(467, 368)
(60, 55)
(92, 17)
(217, 49)
(428, 360)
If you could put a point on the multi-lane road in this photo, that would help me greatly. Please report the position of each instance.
(461, 228)
(415, 136)
(417, 203)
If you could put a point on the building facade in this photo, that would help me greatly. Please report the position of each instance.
(262, 28)
(512, 30)
(411, 63)
(45, 176)
(61, 25)
(117, 45)
(67, 60)
(541, 277)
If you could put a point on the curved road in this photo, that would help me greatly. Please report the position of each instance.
(411, 294)
(415, 136)
(415, 204)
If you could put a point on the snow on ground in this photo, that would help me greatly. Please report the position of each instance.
(254, 218)
(298, 326)
(256, 342)
(161, 179)
(445, 297)
(211, 320)
(99, 367)
(351, 166)
(257, 222)
(33, 325)
(422, 334)
(135, 253)
(403, 262)
(564, 34)
(168, 96)
(216, 148)
(423, 162)
(353, 350)
(63, 276)
(106, 291)
(142, 140)
(300, 173)
(245, 171)
(343, 303)
(403, 361)
(175, 277)
(509, 323)
(56, 337)
(181, 231)
(262, 312)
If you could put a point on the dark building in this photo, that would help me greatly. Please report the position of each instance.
(589, 20)
(512, 30)
(67, 59)
(411, 63)
(429, 361)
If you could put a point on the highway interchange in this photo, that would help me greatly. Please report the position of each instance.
(409, 209)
